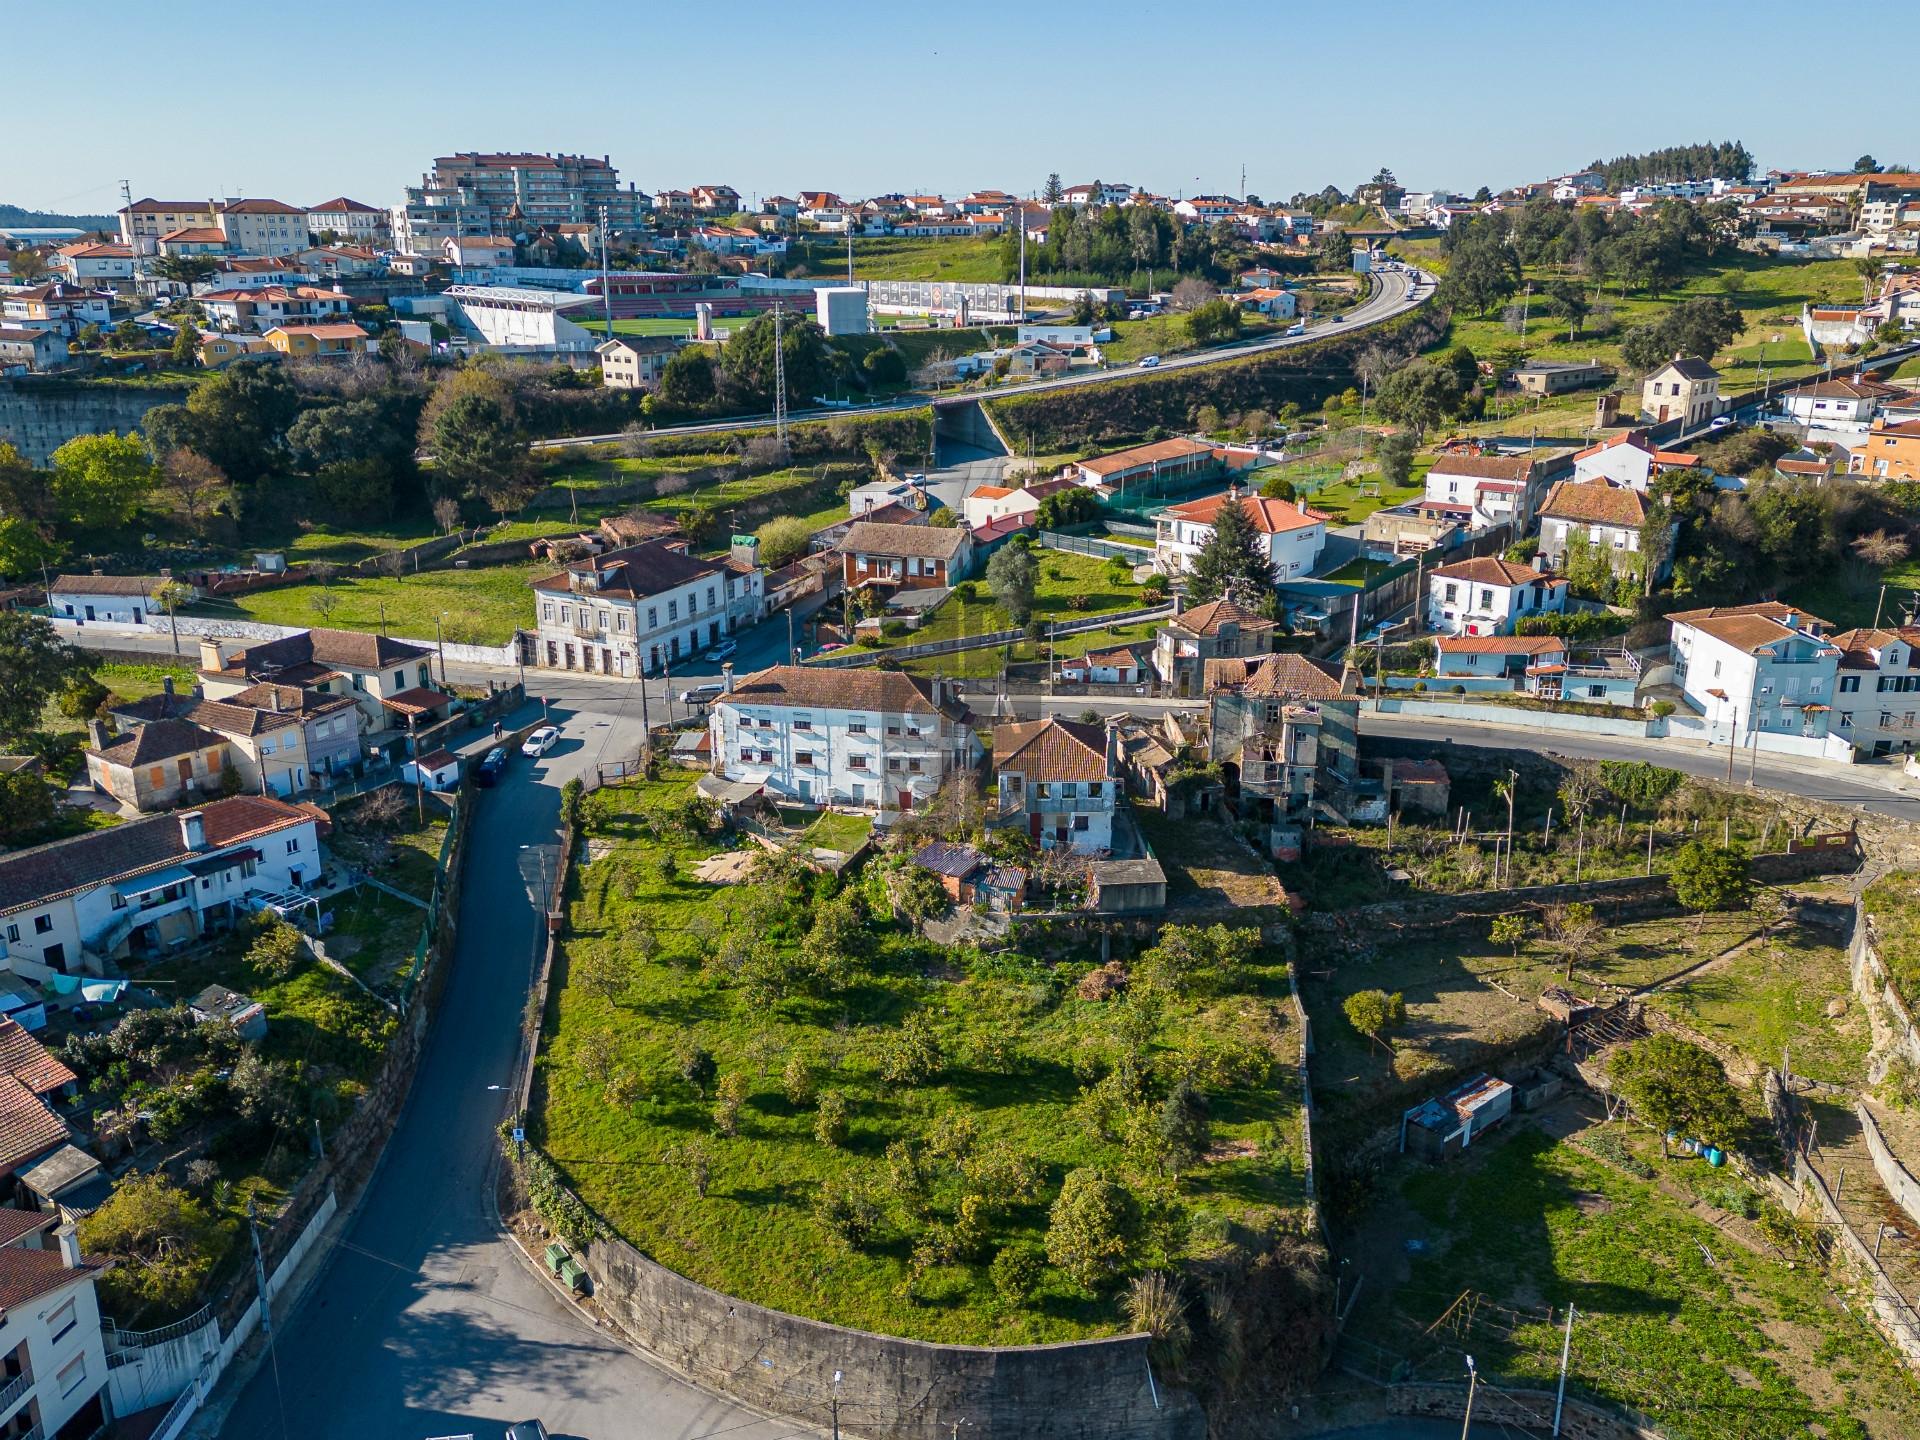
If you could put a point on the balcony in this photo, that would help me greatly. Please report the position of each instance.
(14, 1391)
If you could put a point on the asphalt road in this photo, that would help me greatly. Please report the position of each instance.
(1393, 294)
(423, 1323)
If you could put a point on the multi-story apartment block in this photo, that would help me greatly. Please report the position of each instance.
(349, 222)
(1058, 780)
(144, 221)
(476, 193)
(1766, 667)
(878, 739)
(263, 227)
(1877, 690)
(640, 610)
(261, 307)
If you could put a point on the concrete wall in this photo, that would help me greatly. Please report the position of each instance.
(38, 416)
(1896, 1177)
(893, 1388)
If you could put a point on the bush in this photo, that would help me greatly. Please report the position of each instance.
(165, 1242)
(1581, 626)
(846, 1213)
(830, 1120)
(1639, 783)
(1016, 1272)
(275, 950)
(783, 540)
(1091, 1227)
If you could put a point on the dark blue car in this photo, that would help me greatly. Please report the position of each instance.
(489, 771)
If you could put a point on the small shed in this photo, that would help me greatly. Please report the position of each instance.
(1002, 888)
(1449, 1123)
(1127, 887)
(956, 867)
(437, 771)
(1416, 786)
(70, 1178)
(1563, 1005)
(247, 1015)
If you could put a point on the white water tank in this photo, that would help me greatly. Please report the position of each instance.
(841, 309)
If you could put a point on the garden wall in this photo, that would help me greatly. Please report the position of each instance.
(893, 1388)
(1899, 1182)
(1875, 987)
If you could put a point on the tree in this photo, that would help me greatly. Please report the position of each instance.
(1482, 269)
(1576, 929)
(1866, 165)
(164, 1242)
(783, 540)
(687, 382)
(1421, 394)
(1185, 1126)
(185, 350)
(1232, 562)
(830, 1119)
(185, 270)
(747, 359)
(943, 519)
(194, 481)
(446, 514)
(275, 951)
(100, 480)
(479, 450)
(1051, 193)
(1702, 327)
(1374, 1012)
(238, 419)
(1278, 487)
(1510, 930)
(1707, 877)
(1395, 453)
(1214, 321)
(885, 366)
(24, 546)
(1083, 308)
(27, 266)
(1190, 293)
(1013, 575)
(26, 806)
(1091, 1226)
(1676, 1086)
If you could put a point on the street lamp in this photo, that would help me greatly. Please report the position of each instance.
(835, 1403)
(1473, 1378)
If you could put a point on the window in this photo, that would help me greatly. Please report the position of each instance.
(61, 1322)
(293, 846)
(673, 611)
(893, 764)
(746, 754)
(893, 729)
(156, 777)
(1081, 822)
(13, 931)
(42, 924)
(1450, 593)
(118, 902)
(566, 612)
(856, 762)
(913, 767)
(801, 722)
(1094, 787)
(653, 618)
(710, 599)
(856, 727)
(766, 757)
(360, 681)
(1846, 719)
(72, 1375)
(804, 758)
(546, 610)
(623, 622)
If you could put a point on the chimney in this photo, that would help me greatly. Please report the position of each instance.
(210, 656)
(69, 1238)
(193, 829)
(726, 676)
(1113, 745)
(273, 698)
(100, 732)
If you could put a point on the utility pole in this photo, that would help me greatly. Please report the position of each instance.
(1566, 1347)
(440, 644)
(1021, 209)
(260, 1272)
(849, 254)
(792, 657)
(1732, 729)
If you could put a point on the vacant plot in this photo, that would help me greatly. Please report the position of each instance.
(1687, 1310)
(1893, 909)
(976, 664)
(1206, 863)
(853, 1128)
(480, 607)
(961, 258)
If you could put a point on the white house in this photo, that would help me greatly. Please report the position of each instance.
(1630, 459)
(1097, 192)
(1489, 596)
(1103, 667)
(1059, 781)
(104, 599)
(1291, 535)
(386, 678)
(263, 227)
(1877, 691)
(1684, 389)
(992, 505)
(1766, 667)
(635, 362)
(347, 220)
(1501, 489)
(95, 265)
(1604, 515)
(437, 771)
(1495, 656)
(50, 1330)
(148, 885)
(638, 610)
(1848, 407)
(880, 739)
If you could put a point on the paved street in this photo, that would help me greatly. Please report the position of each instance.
(423, 1323)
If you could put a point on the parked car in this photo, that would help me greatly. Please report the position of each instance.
(724, 650)
(1299, 327)
(540, 741)
(701, 694)
(1152, 362)
(526, 1430)
(489, 770)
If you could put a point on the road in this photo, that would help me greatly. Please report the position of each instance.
(423, 1323)
(1393, 294)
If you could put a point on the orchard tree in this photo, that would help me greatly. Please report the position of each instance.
(1091, 1227)
(100, 480)
(1510, 930)
(1707, 877)
(1374, 1012)
(1675, 1085)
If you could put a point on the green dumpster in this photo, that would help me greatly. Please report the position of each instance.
(573, 1274)
(556, 1257)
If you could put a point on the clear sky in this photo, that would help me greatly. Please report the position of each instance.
(199, 98)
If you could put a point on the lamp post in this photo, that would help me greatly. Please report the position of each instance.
(1473, 1378)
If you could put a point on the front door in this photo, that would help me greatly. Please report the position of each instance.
(54, 956)
(906, 799)
(186, 772)
(90, 612)
(137, 619)
(1033, 826)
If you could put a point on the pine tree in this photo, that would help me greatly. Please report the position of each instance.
(1050, 194)
(1232, 562)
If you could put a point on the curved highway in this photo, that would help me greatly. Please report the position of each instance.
(1393, 293)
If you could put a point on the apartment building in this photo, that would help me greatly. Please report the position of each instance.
(348, 221)
(640, 610)
(53, 1360)
(144, 221)
(1877, 690)
(488, 193)
(1059, 781)
(1891, 452)
(259, 308)
(263, 227)
(880, 740)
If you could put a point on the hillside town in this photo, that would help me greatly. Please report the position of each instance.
(1064, 811)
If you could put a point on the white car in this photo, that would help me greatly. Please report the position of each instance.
(1152, 362)
(540, 741)
(701, 694)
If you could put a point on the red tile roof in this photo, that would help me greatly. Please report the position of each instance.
(1208, 618)
(1051, 750)
(26, 1275)
(30, 1062)
(27, 1127)
(1491, 570)
(1269, 517)
(1595, 502)
(1500, 644)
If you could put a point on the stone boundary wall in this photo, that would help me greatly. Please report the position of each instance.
(1897, 1179)
(1875, 986)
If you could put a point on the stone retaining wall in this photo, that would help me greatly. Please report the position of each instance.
(1528, 1410)
(1899, 1182)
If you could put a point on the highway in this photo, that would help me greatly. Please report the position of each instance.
(1393, 293)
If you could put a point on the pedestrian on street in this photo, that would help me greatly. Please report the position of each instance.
(497, 731)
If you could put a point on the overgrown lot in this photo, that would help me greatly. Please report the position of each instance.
(1699, 1303)
(777, 1089)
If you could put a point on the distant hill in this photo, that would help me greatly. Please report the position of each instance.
(12, 215)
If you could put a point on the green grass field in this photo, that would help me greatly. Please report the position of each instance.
(962, 258)
(1064, 577)
(981, 664)
(999, 1116)
(480, 607)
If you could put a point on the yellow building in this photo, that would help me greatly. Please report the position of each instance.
(339, 338)
(219, 350)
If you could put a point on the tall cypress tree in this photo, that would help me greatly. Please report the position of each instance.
(1232, 562)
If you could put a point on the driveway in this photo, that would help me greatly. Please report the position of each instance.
(424, 1323)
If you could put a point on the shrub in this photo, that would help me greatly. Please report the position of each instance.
(1016, 1271)
(728, 1098)
(275, 950)
(846, 1212)
(797, 1080)
(166, 1243)
(830, 1120)
(1091, 1227)
(912, 1055)
(1638, 783)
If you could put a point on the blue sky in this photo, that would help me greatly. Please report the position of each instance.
(863, 97)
